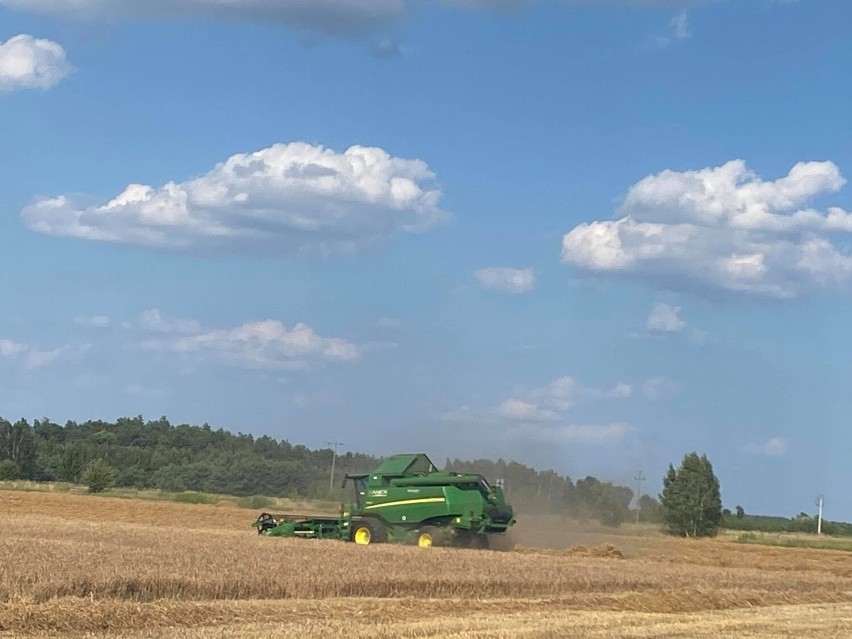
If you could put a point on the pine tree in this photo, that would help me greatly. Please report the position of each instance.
(691, 499)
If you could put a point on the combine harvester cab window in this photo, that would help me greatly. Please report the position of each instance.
(360, 482)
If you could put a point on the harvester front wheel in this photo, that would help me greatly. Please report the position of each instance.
(429, 536)
(366, 531)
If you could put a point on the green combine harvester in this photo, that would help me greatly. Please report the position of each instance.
(407, 500)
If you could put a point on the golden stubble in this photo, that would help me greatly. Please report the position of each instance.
(72, 564)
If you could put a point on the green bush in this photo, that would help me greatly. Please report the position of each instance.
(99, 476)
(9, 470)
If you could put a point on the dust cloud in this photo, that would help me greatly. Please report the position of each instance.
(561, 533)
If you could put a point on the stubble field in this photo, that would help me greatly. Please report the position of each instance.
(75, 565)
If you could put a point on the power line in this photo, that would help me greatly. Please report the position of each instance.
(819, 502)
(334, 446)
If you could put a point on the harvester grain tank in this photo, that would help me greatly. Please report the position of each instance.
(407, 499)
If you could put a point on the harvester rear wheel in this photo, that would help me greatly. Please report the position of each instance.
(429, 536)
(367, 531)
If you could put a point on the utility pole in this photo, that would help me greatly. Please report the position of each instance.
(334, 446)
(639, 479)
(819, 503)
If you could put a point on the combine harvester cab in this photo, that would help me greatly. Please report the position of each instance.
(407, 500)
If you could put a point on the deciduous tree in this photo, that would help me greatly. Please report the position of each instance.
(18, 445)
(691, 498)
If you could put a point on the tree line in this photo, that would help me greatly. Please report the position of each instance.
(134, 453)
(548, 492)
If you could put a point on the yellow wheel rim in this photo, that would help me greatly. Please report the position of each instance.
(362, 536)
(424, 540)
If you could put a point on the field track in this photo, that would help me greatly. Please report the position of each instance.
(77, 565)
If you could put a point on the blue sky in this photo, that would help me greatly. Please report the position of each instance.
(591, 236)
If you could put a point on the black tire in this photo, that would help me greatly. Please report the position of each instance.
(367, 531)
(265, 522)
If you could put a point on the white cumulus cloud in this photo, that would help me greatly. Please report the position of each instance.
(504, 278)
(680, 26)
(621, 390)
(664, 319)
(36, 358)
(551, 402)
(541, 414)
(292, 199)
(31, 63)
(522, 411)
(679, 30)
(772, 447)
(723, 229)
(33, 357)
(10, 349)
(154, 321)
(266, 344)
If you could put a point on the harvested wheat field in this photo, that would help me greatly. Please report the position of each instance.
(77, 565)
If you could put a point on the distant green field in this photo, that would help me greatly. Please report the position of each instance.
(802, 523)
(253, 502)
(792, 540)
